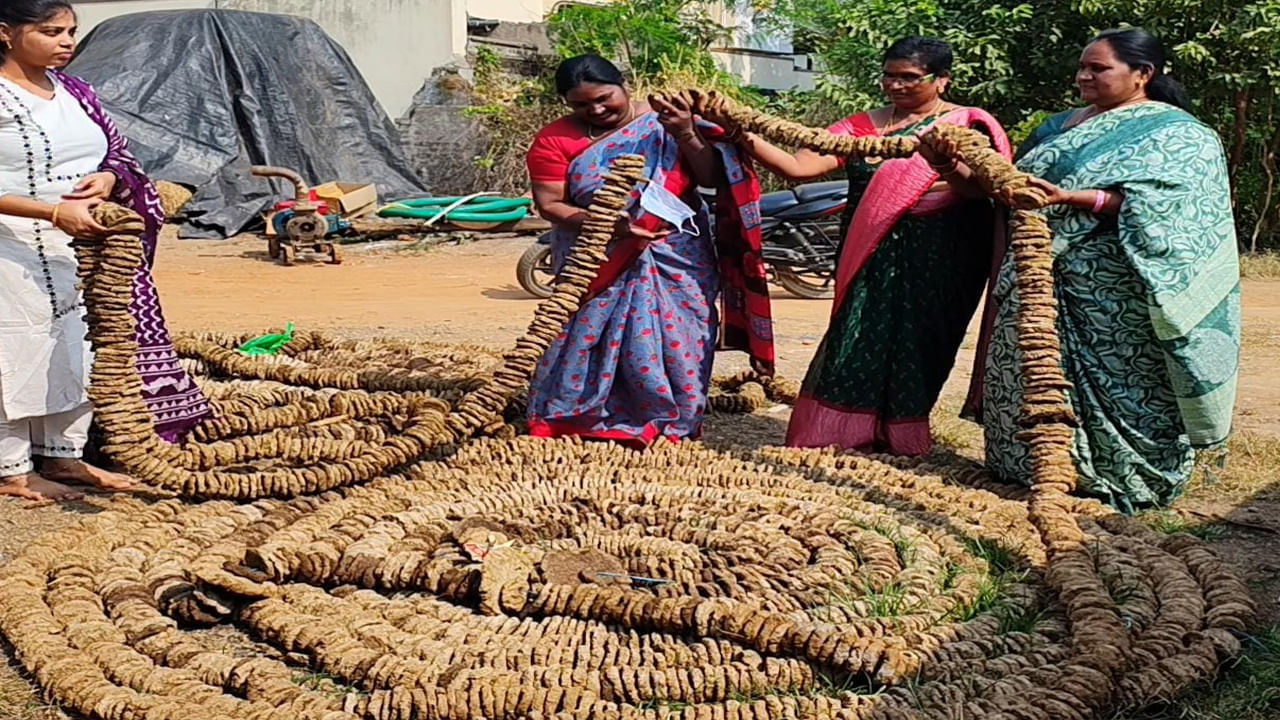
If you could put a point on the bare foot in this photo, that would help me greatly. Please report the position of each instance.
(78, 472)
(37, 489)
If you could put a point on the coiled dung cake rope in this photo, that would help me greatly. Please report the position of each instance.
(526, 578)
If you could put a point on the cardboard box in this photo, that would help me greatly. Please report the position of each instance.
(346, 200)
(350, 200)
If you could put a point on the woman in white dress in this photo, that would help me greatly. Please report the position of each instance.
(50, 155)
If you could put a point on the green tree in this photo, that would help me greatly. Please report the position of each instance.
(1017, 59)
(649, 38)
(661, 44)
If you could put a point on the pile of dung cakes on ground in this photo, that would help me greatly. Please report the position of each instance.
(798, 585)
(429, 563)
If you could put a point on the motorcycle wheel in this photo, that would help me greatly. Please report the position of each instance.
(534, 271)
(809, 287)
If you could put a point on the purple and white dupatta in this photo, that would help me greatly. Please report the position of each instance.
(175, 402)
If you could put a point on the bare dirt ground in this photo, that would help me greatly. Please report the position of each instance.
(467, 293)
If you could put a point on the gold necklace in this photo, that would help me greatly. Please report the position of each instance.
(938, 106)
(631, 115)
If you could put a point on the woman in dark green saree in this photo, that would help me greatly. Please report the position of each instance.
(1147, 280)
(915, 257)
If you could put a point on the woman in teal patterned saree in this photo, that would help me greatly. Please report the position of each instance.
(1147, 280)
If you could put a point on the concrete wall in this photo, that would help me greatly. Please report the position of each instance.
(397, 43)
(519, 11)
(93, 12)
(769, 71)
(394, 43)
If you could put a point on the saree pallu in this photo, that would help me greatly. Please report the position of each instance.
(910, 275)
(175, 402)
(634, 364)
(1149, 305)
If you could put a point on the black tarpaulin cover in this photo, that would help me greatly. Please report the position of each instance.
(204, 94)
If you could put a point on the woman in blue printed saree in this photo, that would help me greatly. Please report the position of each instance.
(634, 364)
(1147, 281)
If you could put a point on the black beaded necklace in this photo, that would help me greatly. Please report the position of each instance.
(25, 121)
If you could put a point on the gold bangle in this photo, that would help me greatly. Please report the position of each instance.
(53, 218)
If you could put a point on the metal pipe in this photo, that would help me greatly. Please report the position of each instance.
(301, 190)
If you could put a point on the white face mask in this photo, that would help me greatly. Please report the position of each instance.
(660, 202)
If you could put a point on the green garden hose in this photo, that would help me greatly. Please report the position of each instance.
(468, 209)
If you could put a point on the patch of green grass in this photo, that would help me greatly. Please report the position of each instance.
(1171, 522)
(663, 707)
(832, 685)
(1015, 619)
(1000, 559)
(1248, 689)
(991, 596)
(1004, 568)
(325, 684)
(889, 601)
(903, 545)
(950, 574)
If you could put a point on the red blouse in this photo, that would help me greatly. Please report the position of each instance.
(554, 148)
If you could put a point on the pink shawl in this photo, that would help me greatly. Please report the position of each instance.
(900, 187)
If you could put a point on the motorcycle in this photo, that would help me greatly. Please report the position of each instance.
(801, 239)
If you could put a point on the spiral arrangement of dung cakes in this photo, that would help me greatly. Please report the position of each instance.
(393, 533)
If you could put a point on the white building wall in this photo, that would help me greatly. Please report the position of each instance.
(761, 56)
(516, 11)
(397, 43)
(764, 70)
(95, 11)
(394, 43)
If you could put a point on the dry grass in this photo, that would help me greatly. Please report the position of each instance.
(1251, 472)
(1260, 266)
(18, 525)
(953, 435)
(18, 699)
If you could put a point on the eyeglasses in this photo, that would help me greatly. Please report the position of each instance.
(907, 80)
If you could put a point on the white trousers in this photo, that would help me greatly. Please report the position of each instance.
(53, 436)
